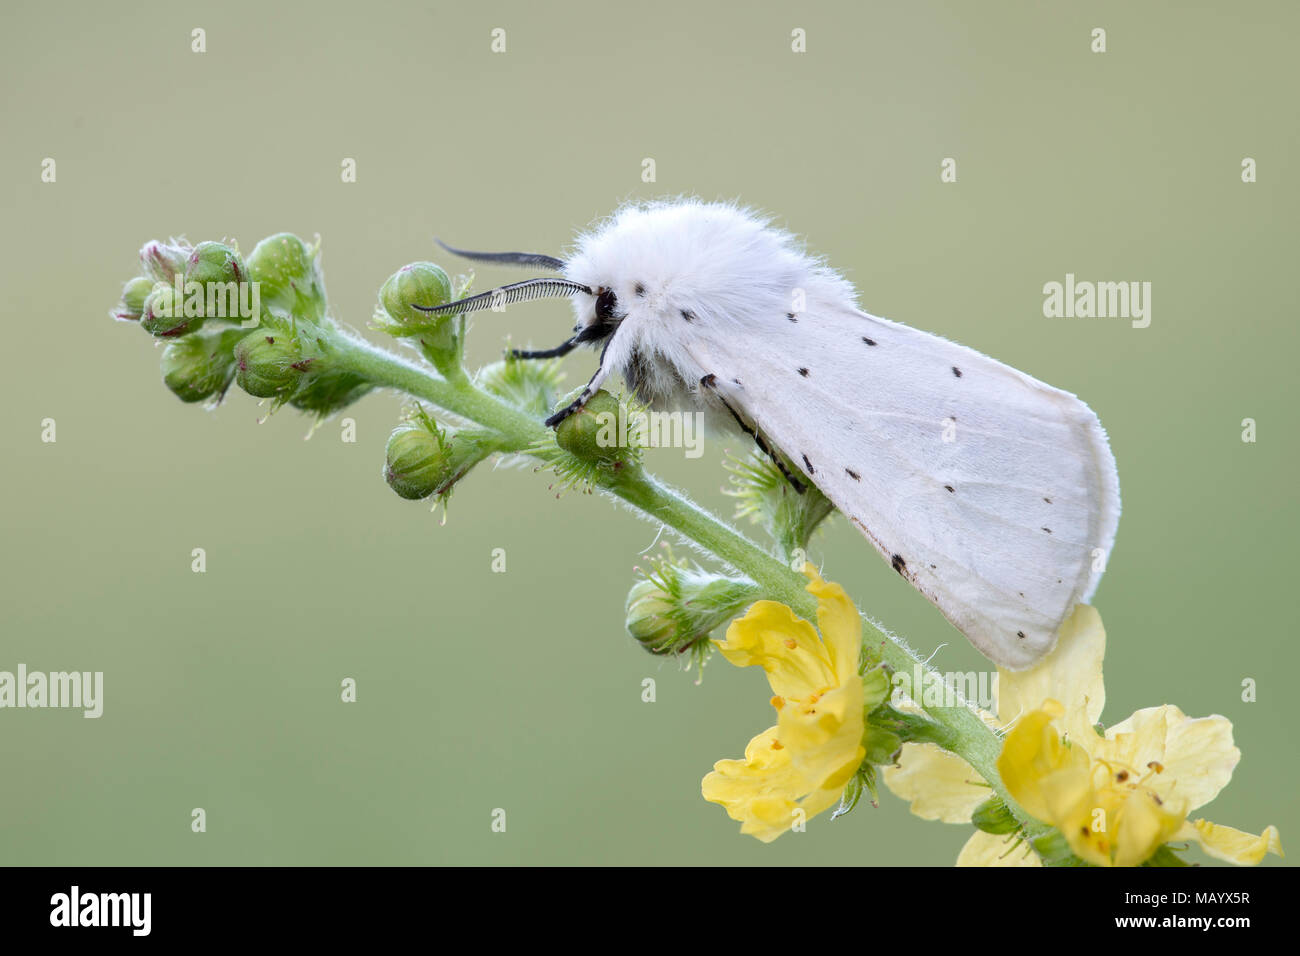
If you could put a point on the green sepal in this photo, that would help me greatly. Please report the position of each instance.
(1055, 850)
(532, 385)
(765, 496)
(864, 781)
(993, 816)
(1165, 856)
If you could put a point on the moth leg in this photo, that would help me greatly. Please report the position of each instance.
(602, 373)
(564, 348)
(583, 336)
(710, 382)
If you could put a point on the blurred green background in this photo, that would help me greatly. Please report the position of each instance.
(520, 690)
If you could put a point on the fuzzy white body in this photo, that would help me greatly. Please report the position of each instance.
(994, 494)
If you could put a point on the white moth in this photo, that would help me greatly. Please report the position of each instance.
(994, 494)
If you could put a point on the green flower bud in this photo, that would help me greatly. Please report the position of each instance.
(214, 262)
(421, 461)
(163, 261)
(676, 607)
(765, 495)
(414, 461)
(593, 431)
(163, 314)
(992, 816)
(269, 363)
(216, 284)
(134, 292)
(426, 284)
(529, 384)
(288, 274)
(420, 283)
(650, 617)
(200, 366)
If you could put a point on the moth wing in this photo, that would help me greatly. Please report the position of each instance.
(994, 494)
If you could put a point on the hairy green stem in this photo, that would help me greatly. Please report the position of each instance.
(961, 729)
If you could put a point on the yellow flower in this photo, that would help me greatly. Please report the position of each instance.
(1118, 798)
(1115, 798)
(803, 763)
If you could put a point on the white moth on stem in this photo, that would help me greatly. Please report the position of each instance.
(988, 490)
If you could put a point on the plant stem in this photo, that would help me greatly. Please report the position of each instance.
(387, 370)
(964, 732)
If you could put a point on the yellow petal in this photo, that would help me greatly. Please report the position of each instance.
(939, 785)
(985, 849)
(1141, 827)
(1232, 846)
(1196, 755)
(757, 791)
(1043, 775)
(784, 645)
(1118, 827)
(1070, 673)
(825, 739)
(839, 622)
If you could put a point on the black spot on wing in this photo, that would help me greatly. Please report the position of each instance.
(1020, 634)
(853, 474)
(951, 489)
(1048, 530)
(791, 317)
(640, 289)
(688, 315)
(868, 341)
(803, 372)
(956, 371)
(899, 564)
(809, 466)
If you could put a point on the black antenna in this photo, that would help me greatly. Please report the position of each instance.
(508, 295)
(535, 260)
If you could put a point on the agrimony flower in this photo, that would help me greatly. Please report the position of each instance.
(799, 767)
(1116, 797)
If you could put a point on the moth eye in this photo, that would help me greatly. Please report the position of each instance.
(606, 302)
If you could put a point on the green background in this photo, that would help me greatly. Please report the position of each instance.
(520, 690)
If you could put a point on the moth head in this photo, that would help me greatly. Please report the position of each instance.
(616, 293)
(597, 305)
(603, 310)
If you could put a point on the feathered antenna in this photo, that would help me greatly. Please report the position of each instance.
(536, 260)
(509, 295)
